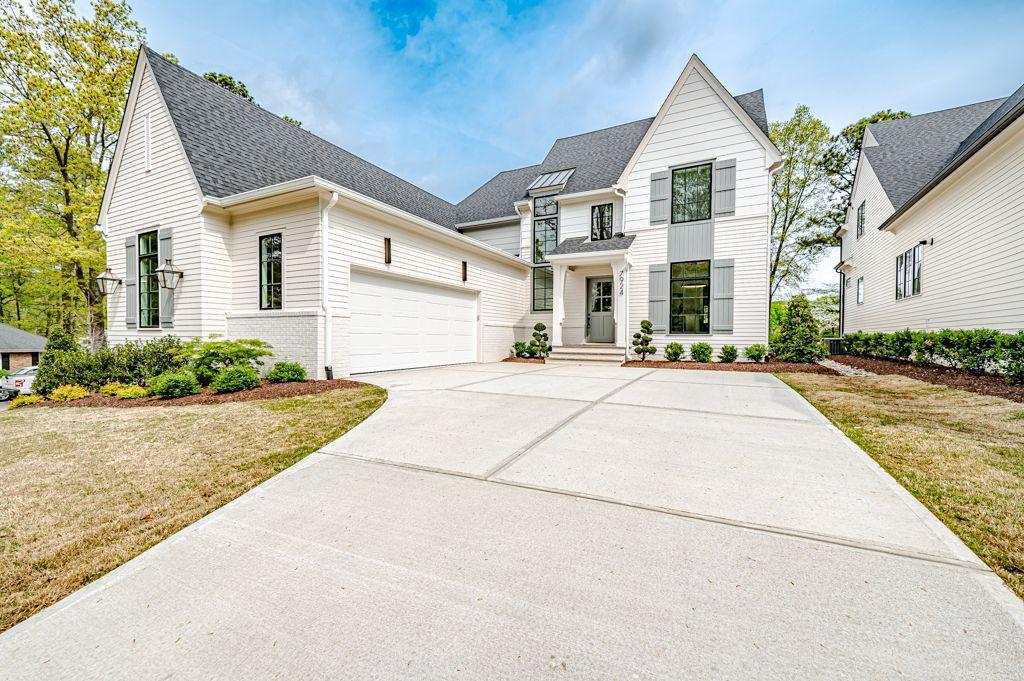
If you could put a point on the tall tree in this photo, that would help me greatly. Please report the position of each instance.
(63, 80)
(841, 162)
(800, 192)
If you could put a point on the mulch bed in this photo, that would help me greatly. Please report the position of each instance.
(986, 384)
(266, 391)
(759, 367)
(525, 360)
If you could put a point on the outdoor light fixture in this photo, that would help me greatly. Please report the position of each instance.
(107, 282)
(169, 274)
(465, 271)
(387, 250)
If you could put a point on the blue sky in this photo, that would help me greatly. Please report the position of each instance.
(447, 94)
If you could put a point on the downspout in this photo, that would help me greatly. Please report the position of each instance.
(325, 299)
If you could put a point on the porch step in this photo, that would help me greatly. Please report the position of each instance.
(589, 354)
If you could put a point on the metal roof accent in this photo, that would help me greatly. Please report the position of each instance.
(551, 180)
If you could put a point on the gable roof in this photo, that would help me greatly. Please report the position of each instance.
(753, 104)
(234, 146)
(13, 338)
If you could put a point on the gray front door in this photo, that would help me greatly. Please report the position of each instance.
(600, 318)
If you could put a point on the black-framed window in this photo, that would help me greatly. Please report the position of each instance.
(149, 282)
(908, 273)
(690, 304)
(860, 290)
(691, 193)
(543, 289)
(601, 222)
(545, 227)
(271, 287)
(861, 209)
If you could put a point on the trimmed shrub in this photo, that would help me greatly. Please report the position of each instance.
(67, 393)
(174, 384)
(207, 358)
(132, 392)
(700, 352)
(539, 345)
(674, 351)
(234, 379)
(25, 400)
(135, 363)
(799, 338)
(756, 352)
(728, 354)
(521, 349)
(1013, 357)
(111, 389)
(286, 372)
(204, 374)
(642, 340)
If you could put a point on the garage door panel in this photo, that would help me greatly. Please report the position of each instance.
(400, 324)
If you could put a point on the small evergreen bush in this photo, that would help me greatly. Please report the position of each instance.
(756, 352)
(700, 352)
(235, 379)
(286, 372)
(174, 384)
(67, 393)
(521, 349)
(642, 340)
(25, 400)
(132, 392)
(111, 389)
(799, 338)
(206, 359)
(728, 353)
(674, 351)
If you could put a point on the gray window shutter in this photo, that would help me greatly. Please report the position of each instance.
(660, 190)
(725, 187)
(131, 283)
(657, 297)
(165, 252)
(722, 296)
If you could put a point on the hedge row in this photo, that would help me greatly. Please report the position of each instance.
(976, 351)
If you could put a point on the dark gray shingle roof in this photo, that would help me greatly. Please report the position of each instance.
(235, 146)
(13, 338)
(911, 151)
(753, 104)
(579, 244)
(495, 197)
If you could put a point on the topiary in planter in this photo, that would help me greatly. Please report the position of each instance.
(174, 384)
(539, 345)
(234, 379)
(67, 393)
(642, 340)
(700, 352)
(755, 352)
(674, 351)
(286, 372)
(728, 353)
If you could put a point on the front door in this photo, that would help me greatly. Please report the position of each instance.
(600, 318)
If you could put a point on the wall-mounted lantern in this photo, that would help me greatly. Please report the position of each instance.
(387, 250)
(465, 271)
(107, 282)
(169, 274)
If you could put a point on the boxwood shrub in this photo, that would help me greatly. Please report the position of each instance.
(756, 352)
(236, 378)
(700, 352)
(286, 372)
(674, 351)
(174, 384)
(728, 353)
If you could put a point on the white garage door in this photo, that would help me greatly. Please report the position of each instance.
(400, 324)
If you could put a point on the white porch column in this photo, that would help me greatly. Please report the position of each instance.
(620, 283)
(557, 304)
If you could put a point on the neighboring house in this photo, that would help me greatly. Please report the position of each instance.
(934, 235)
(19, 349)
(346, 268)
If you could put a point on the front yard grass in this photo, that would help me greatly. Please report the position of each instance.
(83, 490)
(960, 453)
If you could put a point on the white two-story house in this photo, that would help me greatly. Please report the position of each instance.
(346, 268)
(934, 236)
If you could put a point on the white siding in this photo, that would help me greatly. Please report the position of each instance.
(164, 197)
(973, 274)
(503, 237)
(574, 324)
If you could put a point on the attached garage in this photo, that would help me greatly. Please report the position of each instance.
(403, 324)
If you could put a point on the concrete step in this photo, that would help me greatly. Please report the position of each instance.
(590, 354)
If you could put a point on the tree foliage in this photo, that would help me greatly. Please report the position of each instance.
(799, 337)
(229, 83)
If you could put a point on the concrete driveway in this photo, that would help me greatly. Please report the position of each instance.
(527, 521)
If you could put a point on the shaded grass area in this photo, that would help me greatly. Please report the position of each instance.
(85, 490)
(960, 453)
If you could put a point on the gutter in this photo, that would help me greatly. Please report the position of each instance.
(325, 298)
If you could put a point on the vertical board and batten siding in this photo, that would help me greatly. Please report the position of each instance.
(697, 127)
(503, 237)
(972, 276)
(165, 197)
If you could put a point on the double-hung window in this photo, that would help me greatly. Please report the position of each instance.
(545, 238)
(601, 222)
(691, 194)
(860, 290)
(271, 286)
(908, 273)
(149, 282)
(860, 218)
(690, 305)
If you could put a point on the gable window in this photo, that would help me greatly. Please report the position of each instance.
(908, 273)
(543, 289)
(149, 284)
(690, 305)
(860, 219)
(860, 290)
(545, 227)
(691, 193)
(601, 222)
(271, 287)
